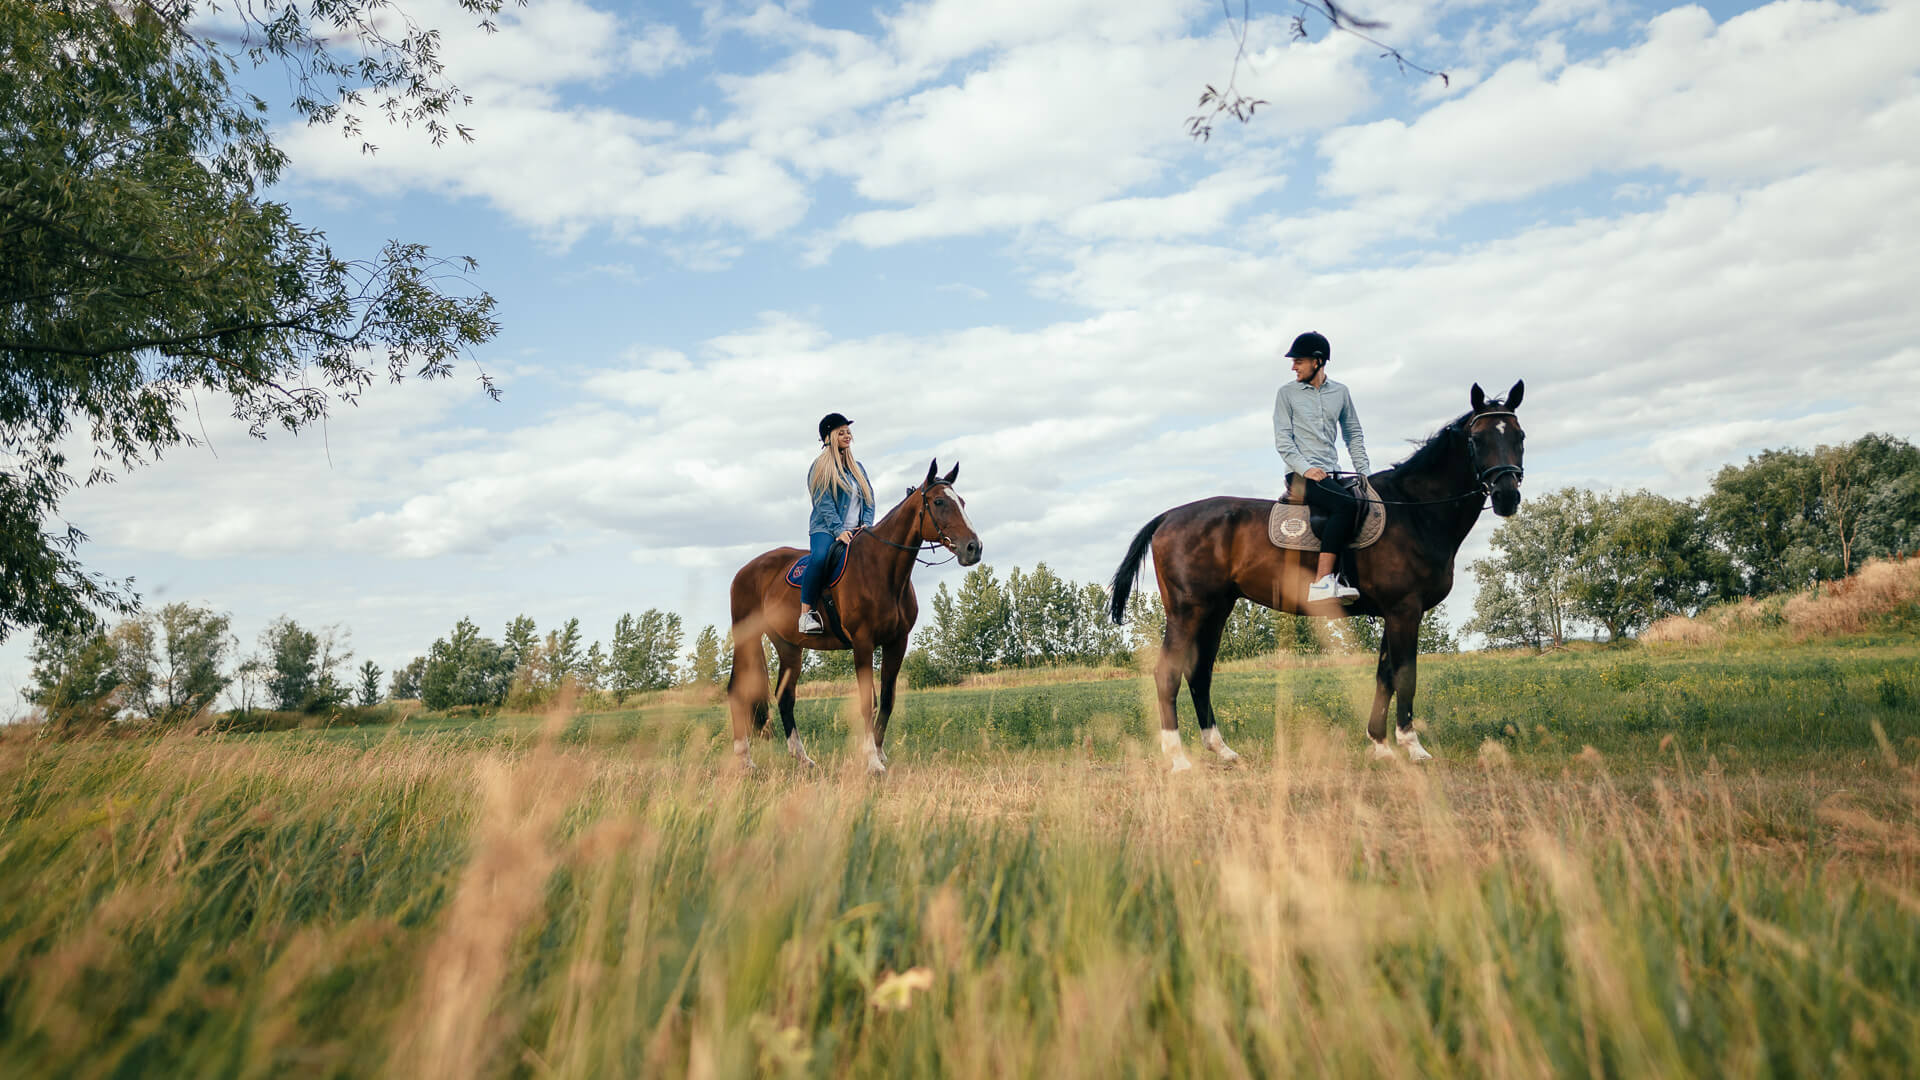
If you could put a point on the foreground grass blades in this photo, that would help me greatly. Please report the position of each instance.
(1678, 863)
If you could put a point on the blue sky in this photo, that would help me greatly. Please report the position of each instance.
(979, 229)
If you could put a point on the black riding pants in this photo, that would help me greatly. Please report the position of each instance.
(1333, 496)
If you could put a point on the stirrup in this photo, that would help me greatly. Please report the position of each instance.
(810, 622)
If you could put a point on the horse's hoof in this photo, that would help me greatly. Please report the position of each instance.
(1180, 764)
(1381, 751)
(1410, 740)
(876, 767)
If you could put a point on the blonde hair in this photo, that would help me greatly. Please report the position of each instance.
(834, 470)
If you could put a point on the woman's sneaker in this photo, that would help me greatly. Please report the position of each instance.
(1331, 588)
(810, 622)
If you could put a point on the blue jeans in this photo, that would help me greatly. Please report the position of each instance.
(820, 545)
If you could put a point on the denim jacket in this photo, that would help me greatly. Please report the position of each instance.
(830, 514)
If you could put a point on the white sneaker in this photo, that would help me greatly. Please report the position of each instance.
(1331, 588)
(810, 622)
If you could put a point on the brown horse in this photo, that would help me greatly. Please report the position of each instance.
(874, 602)
(1209, 554)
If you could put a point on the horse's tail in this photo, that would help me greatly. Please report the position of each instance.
(1130, 567)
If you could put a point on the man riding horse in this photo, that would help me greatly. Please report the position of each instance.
(1307, 413)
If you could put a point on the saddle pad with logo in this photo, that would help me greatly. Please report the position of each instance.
(836, 567)
(1291, 525)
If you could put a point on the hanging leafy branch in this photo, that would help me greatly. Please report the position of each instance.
(1241, 107)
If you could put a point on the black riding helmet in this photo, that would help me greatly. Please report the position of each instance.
(829, 422)
(1311, 345)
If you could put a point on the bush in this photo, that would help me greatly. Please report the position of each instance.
(922, 671)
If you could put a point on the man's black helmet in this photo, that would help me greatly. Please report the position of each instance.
(1311, 345)
(829, 422)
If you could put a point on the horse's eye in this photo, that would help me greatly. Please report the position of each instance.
(939, 502)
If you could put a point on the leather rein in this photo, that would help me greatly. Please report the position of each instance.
(1486, 477)
(944, 541)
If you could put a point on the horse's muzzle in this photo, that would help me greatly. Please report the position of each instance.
(1506, 500)
(969, 552)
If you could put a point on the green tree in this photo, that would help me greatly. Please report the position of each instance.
(592, 674)
(75, 674)
(1766, 514)
(1146, 622)
(645, 652)
(465, 668)
(369, 684)
(406, 680)
(1527, 584)
(705, 668)
(522, 642)
(1645, 556)
(981, 621)
(144, 268)
(189, 674)
(302, 666)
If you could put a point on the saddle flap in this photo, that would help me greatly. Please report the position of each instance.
(836, 566)
(1297, 526)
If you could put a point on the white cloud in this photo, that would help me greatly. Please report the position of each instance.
(1765, 94)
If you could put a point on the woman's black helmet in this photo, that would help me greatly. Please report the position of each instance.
(1311, 345)
(829, 422)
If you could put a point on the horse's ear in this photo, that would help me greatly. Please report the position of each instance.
(951, 473)
(1479, 398)
(931, 469)
(1513, 395)
(911, 490)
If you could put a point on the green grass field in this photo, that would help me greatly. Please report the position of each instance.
(1642, 861)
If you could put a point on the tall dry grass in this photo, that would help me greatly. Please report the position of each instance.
(219, 906)
(1882, 594)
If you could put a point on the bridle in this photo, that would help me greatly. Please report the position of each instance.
(1492, 473)
(944, 541)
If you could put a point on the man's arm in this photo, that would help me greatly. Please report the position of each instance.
(1356, 442)
(1283, 440)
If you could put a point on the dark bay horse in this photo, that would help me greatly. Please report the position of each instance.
(1210, 553)
(875, 603)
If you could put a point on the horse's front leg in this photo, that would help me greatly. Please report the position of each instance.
(863, 676)
(1403, 633)
(891, 657)
(1382, 698)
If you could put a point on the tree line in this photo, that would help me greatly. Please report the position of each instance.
(1787, 519)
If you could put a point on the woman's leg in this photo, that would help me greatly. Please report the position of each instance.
(820, 546)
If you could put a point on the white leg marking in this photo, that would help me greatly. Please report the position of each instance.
(799, 751)
(1382, 750)
(1212, 741)
(1409, 739)
(740, 751)
(1170, 746)
(875, 763)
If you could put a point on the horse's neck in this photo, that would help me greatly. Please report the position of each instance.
(1451, 493)
(901, 527)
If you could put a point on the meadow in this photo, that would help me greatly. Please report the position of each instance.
(1655, 860)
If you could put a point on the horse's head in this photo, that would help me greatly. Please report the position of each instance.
(943, 515)
(1495, 444)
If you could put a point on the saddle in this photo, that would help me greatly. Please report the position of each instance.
(836, 566)
(1296, 526)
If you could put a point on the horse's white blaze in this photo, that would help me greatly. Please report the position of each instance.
(964, 520)
(1212, 741)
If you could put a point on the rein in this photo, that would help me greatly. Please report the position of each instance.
(1487, 477)
(944, 541)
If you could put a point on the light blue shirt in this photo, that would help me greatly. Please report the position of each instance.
(1307, 420)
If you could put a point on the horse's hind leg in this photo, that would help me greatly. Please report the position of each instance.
(1180, 649)
(1200, 682)
(747, 689)
(1382, 698)
(891, 656)
(790, 658)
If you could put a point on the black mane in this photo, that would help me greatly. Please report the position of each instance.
(1430, 455)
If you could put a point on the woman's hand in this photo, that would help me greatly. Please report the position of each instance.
(846, 536)
(1316, 474)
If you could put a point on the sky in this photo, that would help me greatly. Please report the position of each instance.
(979, 228)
